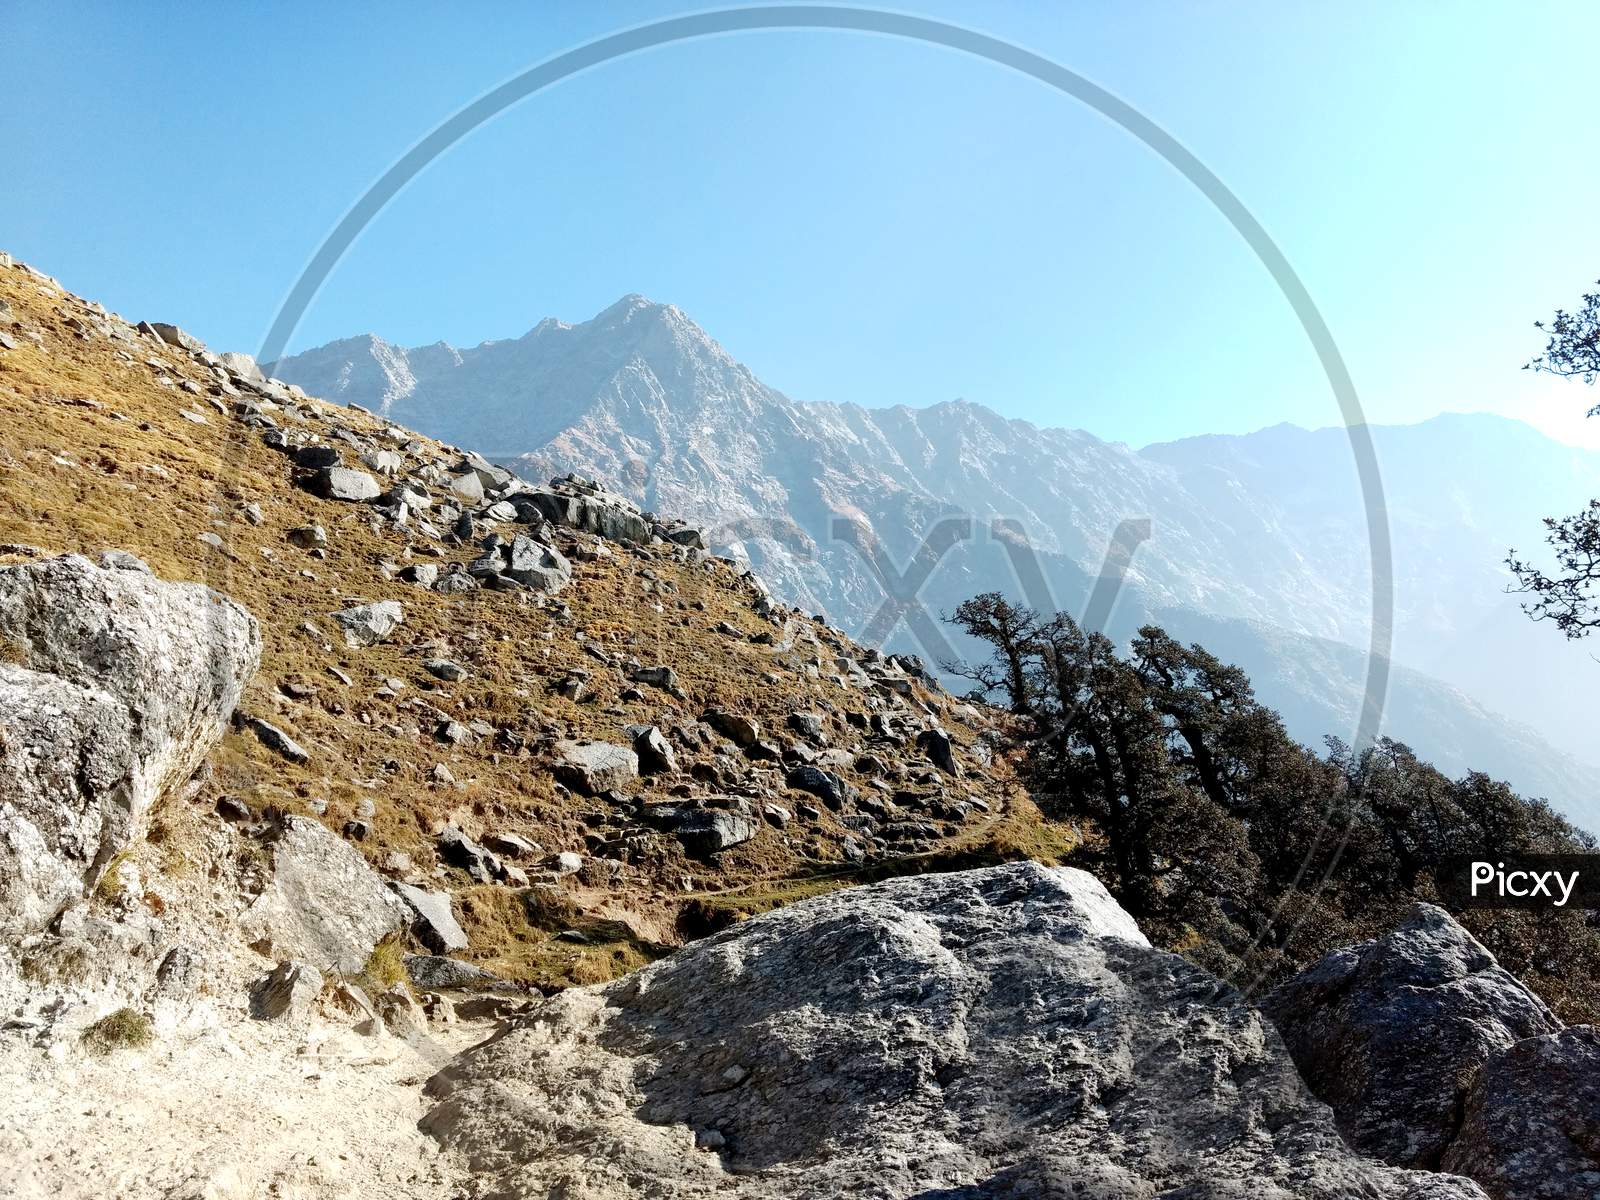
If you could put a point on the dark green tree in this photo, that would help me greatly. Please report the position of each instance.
(1231, 841)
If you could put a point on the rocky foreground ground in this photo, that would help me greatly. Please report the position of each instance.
(364, 811)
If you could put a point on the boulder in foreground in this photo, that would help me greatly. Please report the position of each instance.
(1431, 1054)
(1390, 1032)
(1532, 1125)
(114, 685)
(1003, 1033)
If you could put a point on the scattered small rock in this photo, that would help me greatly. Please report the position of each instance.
(287, 993)
(368, 624)
(277, 740)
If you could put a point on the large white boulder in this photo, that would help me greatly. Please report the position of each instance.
(322, 903)
(998, 1034)
(114, 685)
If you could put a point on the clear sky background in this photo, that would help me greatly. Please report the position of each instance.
(856, 218)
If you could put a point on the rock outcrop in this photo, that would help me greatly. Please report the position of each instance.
(1531, 1129)
(113, 687)
(582, 504)
(1432, 1055)
(997, 1033)
(1390, 1032)
(323, 903)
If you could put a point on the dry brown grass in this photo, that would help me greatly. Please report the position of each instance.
(385, 967)
(544, 938)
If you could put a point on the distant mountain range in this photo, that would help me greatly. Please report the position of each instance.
(1257, 544)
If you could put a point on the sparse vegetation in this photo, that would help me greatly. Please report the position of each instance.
(109, 887)
(125, 1029)
(56, 961)
(544, 938)
(385, 967)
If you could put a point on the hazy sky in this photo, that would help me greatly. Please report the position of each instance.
(855, 218)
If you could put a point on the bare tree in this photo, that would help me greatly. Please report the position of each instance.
(1571, 596)
(1574, 343)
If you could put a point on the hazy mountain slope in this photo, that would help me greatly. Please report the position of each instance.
(1266, 529)
(1459, 490)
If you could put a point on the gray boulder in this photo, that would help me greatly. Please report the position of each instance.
(433, 921)
(342, 483)
(655, 752)
(459, 850)
(242, 365)
(273, 738)
(1004, 1033)
(433, 972)
(1531, 1129)
(662, 677)
(118, 685)
(594, 767)
(808, 725)
(368, 624)
(467, 486)
(738, 729)
(445, 669)
(601, 513)
(490, 476)
(388, 462)
(1390, 1032)
(455, 581)
(512, 845)
(681, 535)
(824, 785)
(935, 743)
(536, 565)
(322, 903)
(401, 1013)
(173, 336)
(308, 537)
(705, 831)
(317, 457)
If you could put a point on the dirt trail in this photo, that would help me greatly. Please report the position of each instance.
(233, 1112)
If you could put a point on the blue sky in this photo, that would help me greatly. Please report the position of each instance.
(855, 218)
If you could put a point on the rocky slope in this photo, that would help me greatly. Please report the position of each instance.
(445, 650)
(1258, 543)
